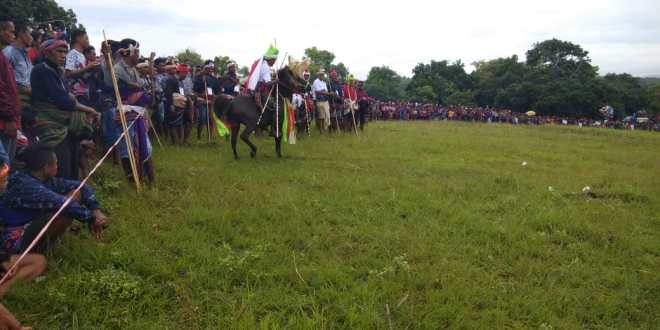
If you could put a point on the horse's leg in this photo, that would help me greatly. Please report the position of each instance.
(245, 136)
(234, 135)
(278, 146)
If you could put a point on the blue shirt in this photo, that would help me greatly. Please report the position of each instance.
(20, 63)
(48, 86)
(26, 195)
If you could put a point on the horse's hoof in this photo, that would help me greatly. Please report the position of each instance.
(279, 155)
(253, 154)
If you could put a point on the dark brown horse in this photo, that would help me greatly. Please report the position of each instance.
(243, 110)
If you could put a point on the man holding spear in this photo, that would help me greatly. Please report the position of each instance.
(350, 97)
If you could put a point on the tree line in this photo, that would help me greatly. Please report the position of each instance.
(556, 78)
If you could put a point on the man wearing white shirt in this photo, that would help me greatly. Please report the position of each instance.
(320, 90)
(265, 79)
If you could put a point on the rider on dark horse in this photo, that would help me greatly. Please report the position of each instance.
(265, 107)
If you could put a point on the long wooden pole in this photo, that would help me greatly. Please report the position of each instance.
(122, 117)
(351, 105)
(265, 104)
(277, 110)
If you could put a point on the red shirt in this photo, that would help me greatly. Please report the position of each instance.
(33, 53)
(10, 104)
(363, 96)
(349, 92)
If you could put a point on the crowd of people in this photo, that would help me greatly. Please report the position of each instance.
(63, 102)
(333, 104)
(403, 110)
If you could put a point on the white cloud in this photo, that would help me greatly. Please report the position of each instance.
(620, 35)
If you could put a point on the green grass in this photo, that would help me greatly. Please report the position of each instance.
(437, 220)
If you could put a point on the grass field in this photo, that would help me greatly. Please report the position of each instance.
(440, 222)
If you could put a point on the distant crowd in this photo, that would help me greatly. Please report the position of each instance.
(415, 111)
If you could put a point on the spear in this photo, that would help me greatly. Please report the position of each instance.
(277, 110)
(350, 101)
(265, 105)
(122, 117)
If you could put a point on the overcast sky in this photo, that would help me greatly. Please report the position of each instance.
(621, 36)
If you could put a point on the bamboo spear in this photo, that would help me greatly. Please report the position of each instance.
(350, 101)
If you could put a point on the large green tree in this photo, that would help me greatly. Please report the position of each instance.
(319, 58)
(385, 84)
(496, 82)
(39, 13)
(190, 57)
(653, 98)
(444, 78)
(564, 81)
(221, 63)
(624, 93)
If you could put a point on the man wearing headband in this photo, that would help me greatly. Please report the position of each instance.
(125, 69)
(76, 66)
(205, 86)
(10, 105)
(62, 122)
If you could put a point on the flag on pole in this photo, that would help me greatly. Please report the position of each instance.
(255, 73)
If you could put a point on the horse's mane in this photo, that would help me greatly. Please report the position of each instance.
(288, 82)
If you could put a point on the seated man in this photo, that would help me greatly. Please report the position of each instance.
(28, 269)
(33, 196)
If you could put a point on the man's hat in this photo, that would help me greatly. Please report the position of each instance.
(271, 53)
(321, 71)
(51, 44)
(182, 68)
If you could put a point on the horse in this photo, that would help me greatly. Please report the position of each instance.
(243, 110)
